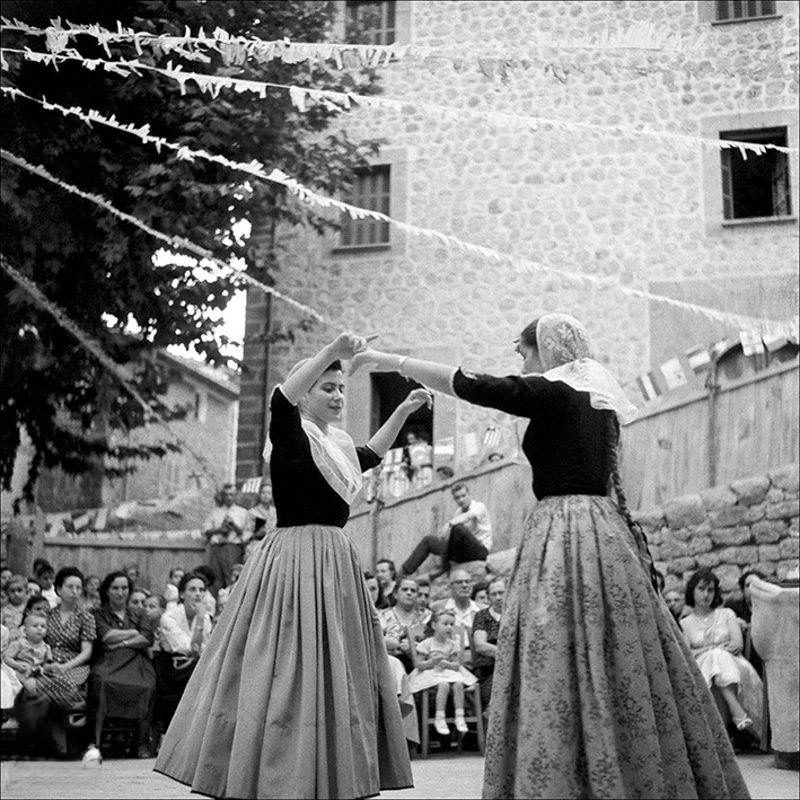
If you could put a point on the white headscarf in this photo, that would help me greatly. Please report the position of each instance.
(565, 353)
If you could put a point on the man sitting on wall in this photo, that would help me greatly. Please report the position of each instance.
(466, 537)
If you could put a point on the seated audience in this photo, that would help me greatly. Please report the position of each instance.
(5, 577)
(10, 685)
(423, 594)
(225, 592)
(261, 518)
(674, 599)
(36, 605)
(34, 590)
(71, 633)
(136, 599)
(28, 654)
(480, 594)
(91, 592)
(743, 608)
(13, 608)
(183, 633)
(461, 605)
(374, 588)
(123, 682)
(404, 620)
(45, 577)
(386, 573)
(171, 589)
(485, 628)
(134, 574)
(715, 638)
(154, 607)
(439, 664)
(224, 529)
(466, 537)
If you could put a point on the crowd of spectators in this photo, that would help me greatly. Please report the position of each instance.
(86, 659)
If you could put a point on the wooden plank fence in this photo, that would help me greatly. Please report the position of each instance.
(746, 427)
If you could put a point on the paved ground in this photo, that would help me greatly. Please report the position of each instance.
(452, 776)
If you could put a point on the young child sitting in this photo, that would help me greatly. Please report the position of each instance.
(10, 685)
(28, 654)
(12, 610)
(439, 665)
(154, 606)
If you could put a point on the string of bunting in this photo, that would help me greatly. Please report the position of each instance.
(256, 169)
(176, 242)
(236, 50)
(91, 346)
(672, 374)
(301, 96)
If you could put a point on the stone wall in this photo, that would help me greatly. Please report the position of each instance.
(633, 209)
(752, 522)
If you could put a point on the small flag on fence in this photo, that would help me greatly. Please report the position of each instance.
(445, 447)
(470, 444)
(492, 437)
(718, 348)
(793, 334)
(699, 358)
(673, 373)
(773, 340)
(252, 485)
(648, 386)
(751, 342)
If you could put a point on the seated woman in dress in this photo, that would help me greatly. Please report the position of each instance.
(122, 683)
(485, 628)
(71, 632)
(182, 634)
(715, 637)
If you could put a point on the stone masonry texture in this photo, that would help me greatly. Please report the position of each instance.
(711, 529)
(628, 208)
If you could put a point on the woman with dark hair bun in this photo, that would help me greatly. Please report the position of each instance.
(122, 682)
(595, 691)
(294, 695)
(715, 636)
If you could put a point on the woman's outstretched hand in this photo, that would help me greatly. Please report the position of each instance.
(416, 399)
(347, 345)
(370, 359)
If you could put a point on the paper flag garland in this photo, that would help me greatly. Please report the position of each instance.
(699, 358)
(751, 342)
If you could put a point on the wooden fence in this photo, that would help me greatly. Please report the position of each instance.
(746, 427)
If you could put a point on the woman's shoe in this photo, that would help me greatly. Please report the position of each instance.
(461, 724)
(744, 723)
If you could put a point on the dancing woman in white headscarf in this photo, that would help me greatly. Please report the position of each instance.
(294, 695)
(595, 693)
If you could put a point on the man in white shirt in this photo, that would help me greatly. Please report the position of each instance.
(466, 537)
(224, 529)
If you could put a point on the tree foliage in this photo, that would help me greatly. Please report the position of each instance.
(97, 268)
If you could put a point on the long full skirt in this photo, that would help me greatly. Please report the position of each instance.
(595, 692)
(293, 696)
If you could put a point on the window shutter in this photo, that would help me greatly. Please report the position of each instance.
(727, 184)
(780, 186)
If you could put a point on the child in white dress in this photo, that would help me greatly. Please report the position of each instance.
(439, 664)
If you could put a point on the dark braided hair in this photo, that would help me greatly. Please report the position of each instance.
(612, 442)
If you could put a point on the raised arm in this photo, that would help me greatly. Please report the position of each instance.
(344, 346)
(438, 377)
(387, 433)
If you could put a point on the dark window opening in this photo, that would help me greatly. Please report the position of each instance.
(744, 9)
(371, 190)
(370, 22)
(757, 186)
(389, 390)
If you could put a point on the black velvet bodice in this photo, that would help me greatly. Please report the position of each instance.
(301, 494)
(566, 442)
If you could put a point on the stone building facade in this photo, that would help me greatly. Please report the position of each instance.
(638, 210)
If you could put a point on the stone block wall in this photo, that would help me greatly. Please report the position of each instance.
(751, 522)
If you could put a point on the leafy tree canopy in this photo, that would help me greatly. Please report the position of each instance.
(96, 267)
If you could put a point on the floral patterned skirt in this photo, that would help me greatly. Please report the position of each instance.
(596, 693)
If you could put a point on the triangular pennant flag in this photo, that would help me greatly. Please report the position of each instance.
(673, 373)
(751, 342)
(773, 340)
(699, 358)
(648, 387)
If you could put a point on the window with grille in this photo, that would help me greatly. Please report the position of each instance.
(370, 190)
(759, 185)
(727, 10)
(370, 22)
